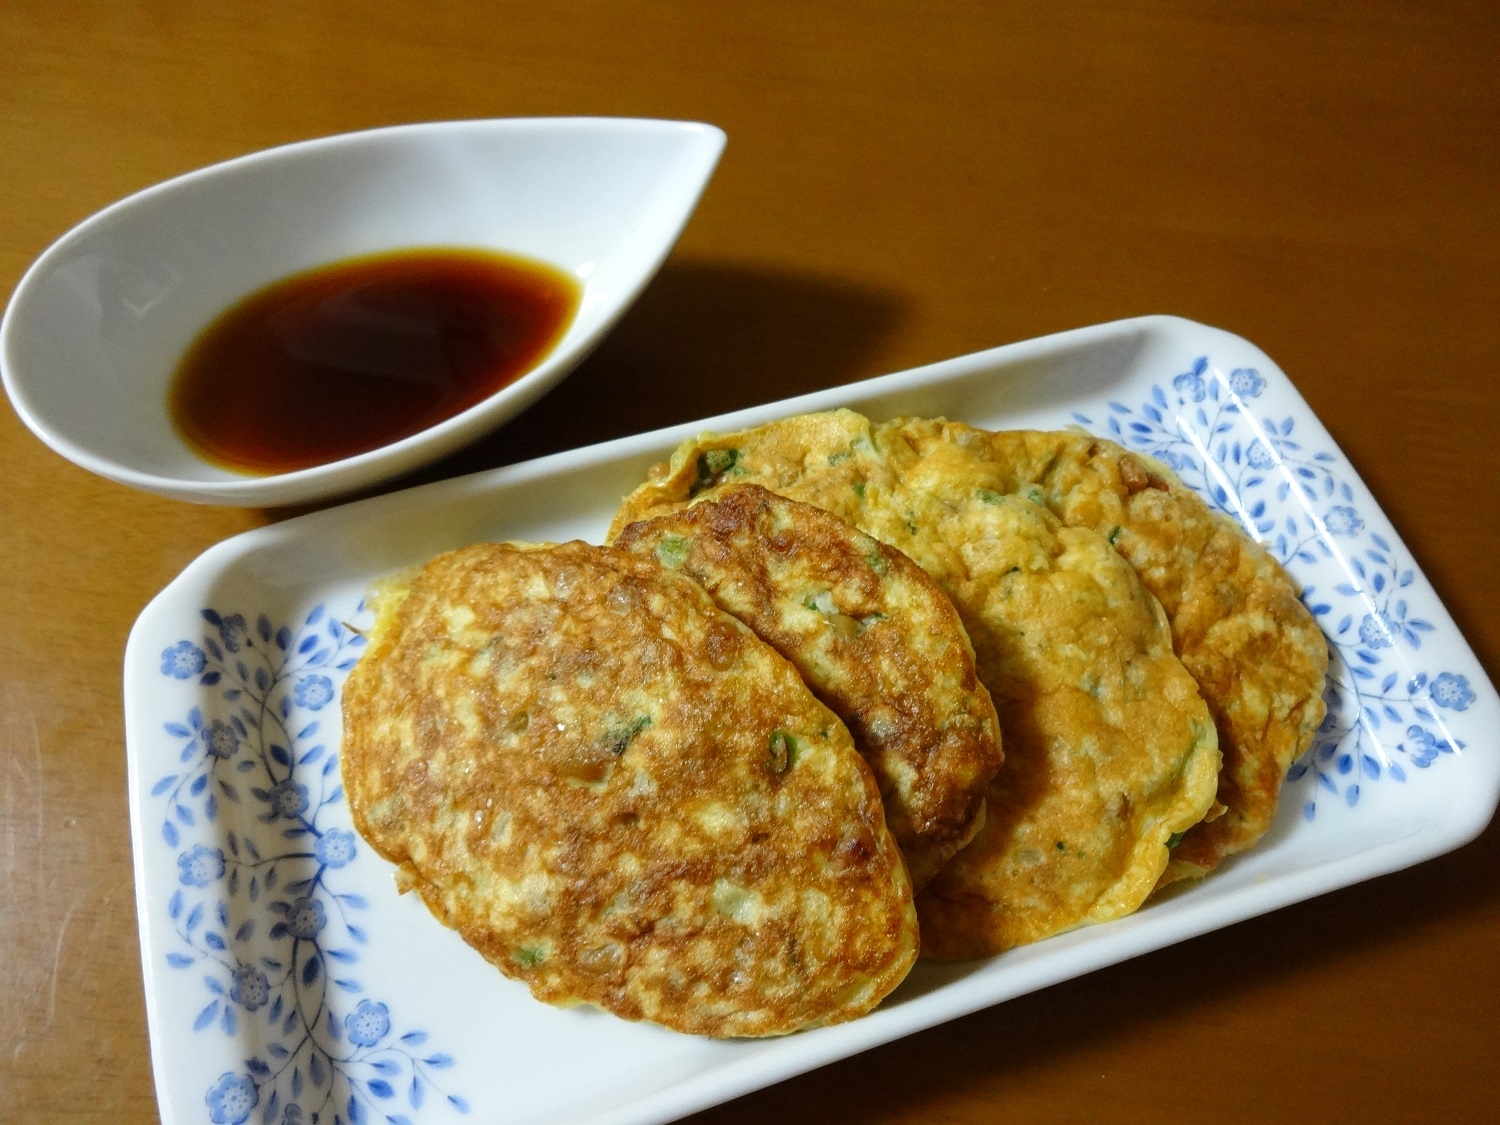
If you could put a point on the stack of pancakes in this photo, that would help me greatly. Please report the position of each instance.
(721, 774)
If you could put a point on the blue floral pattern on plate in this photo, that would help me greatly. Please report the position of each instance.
(332, 1052)
(1298, 504)
(514, 1055)
(281, 859)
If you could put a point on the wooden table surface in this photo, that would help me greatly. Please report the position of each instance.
(903, 183)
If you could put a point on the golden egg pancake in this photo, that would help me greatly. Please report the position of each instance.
(872, 635)
(1238, 623)
(619, 795)
(1110, 751)
(828, 460)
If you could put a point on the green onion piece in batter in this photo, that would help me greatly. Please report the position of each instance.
(821, 602)
(783, 751)
(673, 550)
(529, 956)
(1175, 838)
(619, 740)
(713, 464)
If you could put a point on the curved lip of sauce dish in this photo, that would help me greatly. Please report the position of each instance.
(99, 323)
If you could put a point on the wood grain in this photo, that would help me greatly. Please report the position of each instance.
(903, 183)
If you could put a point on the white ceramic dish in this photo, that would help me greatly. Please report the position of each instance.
(100, 321)
(281, 966)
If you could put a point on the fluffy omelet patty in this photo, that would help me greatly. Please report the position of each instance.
(619, 795)
(1238, 624)
(1110, 750)
(872, 635)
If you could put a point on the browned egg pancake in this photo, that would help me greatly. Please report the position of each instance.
(873, 636)
(825, 459)
(621, 796)
(1238, 623)
(1110, 751)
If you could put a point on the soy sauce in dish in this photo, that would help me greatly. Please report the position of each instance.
(351, 356)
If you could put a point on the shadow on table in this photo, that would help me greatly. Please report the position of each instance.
(704, 338)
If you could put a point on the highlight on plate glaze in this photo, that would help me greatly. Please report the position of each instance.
(1297, 503)
(255, 816)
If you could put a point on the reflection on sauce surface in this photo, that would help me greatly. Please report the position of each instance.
(354, 355)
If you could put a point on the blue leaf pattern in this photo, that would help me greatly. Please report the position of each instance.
(292, 848)
(1297, 503)
(333, 1045)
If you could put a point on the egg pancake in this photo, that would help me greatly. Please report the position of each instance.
(1238, 623)
(619, 795)
(828, 460)
(873, 636)
(1110, 751)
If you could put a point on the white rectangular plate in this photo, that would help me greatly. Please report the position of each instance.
(283, 970)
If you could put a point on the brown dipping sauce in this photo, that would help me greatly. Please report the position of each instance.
(354, 355)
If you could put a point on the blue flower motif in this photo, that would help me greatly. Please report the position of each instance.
(1190, 384)
(233, 630)
(305, 918)
(201, 866)
(250, 989)
(1343, 520)
(1449, 690)
(1260, 456)
(368, 1023)
(212, 879)
(1376, 630)
(313, 692)
(219, 739)
(183, 660)
(1422, 737)
(1246, 382)
(1427, 747)
(334, 848)
(288, 799)
(232, 1099)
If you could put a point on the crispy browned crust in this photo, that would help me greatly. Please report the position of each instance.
(1237, 621)
(619, 795)
(1110, 752)
(873, 636)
